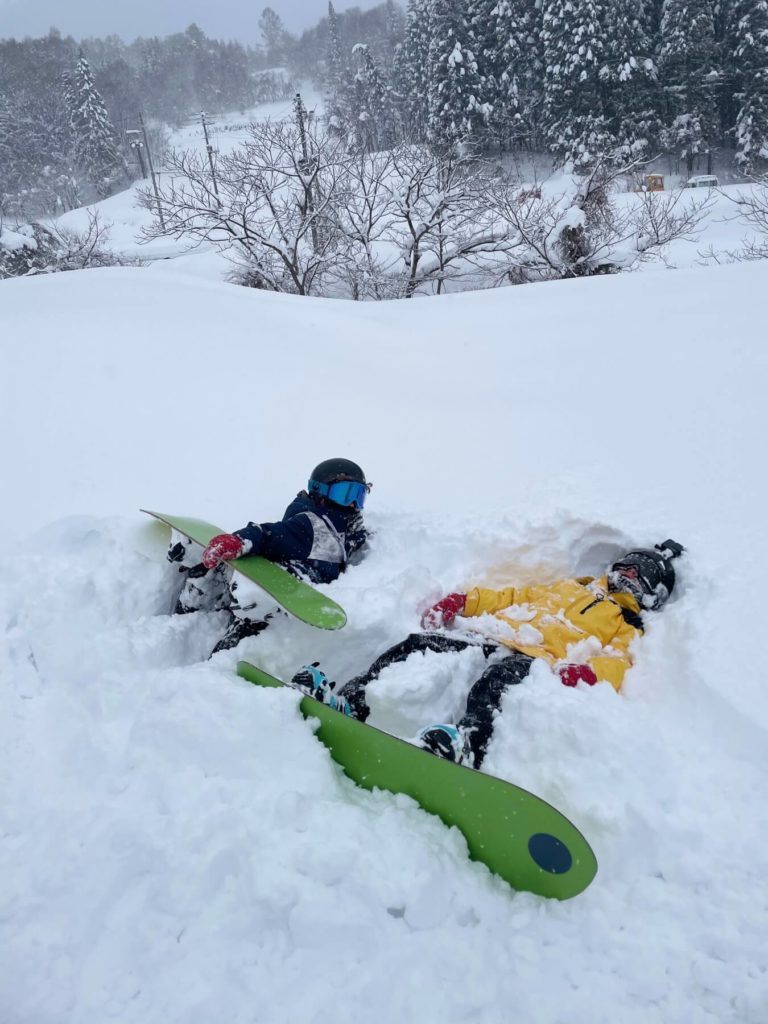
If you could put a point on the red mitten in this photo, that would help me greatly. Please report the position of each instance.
(221, 549)
(572, 674)
(444, 612)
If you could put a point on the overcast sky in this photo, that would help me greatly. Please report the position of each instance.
(227, 19)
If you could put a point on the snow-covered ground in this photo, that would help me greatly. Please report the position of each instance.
(175, 845)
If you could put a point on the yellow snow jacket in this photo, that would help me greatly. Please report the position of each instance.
(572, 620)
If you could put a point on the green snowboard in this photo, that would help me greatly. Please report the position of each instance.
(518, 836)
(297, 597)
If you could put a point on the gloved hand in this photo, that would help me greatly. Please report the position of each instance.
(572, 674)
(444, 612)
(670, 548)
(222, 548)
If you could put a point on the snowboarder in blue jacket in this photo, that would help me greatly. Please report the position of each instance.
(321, 531)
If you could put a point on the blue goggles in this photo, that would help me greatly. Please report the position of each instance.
(343, 492)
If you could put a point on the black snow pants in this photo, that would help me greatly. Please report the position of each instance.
(484, 697)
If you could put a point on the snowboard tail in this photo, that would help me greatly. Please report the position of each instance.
(520, 837)
(293, 594)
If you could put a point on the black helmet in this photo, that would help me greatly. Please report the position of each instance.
(339, 481)
(333, 470)
(655, 579)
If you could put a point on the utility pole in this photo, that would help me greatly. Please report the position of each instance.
(305, 165)
(137, 145)
(209, 150)
(152, 172)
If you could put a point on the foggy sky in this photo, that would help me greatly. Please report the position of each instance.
(225, 19)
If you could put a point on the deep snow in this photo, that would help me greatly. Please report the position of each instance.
(177, 847)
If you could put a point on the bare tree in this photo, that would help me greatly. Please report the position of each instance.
(442, 222)
(300, 212)
(588, 232)
(365, 220)
(751, 206)
(277, 207)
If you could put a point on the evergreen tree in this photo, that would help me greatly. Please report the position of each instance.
(575, 121)
(410, 74)
(457, 112)
(649, 12)
(274, 35)
(629, 80)
(373, 112)
(337, 77)
(516, 66)
(689, 75)
(750, 50)
(481, 20)
(95, 139)
(394, 32)
(120, 88)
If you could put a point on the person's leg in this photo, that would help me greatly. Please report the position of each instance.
(238, 629)
(485, 698)
(204, 590)
(354, 690)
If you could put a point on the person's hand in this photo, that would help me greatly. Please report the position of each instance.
(222, 548)
(570, 675)
(444, 612)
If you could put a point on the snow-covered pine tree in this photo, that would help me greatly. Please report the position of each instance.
(336, 78)
(750, 53)
(274, 35)
(575, 123)
(95, 139)
(457, 113)
(649, 12)
(630, 81)
(689, 76)
(393, 32)
(517, 69)
(374, 120)
(481, 19)
(410, 72)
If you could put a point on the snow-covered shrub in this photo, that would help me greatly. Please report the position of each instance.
(39, 249)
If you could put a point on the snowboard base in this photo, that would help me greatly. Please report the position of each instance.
(293, 594)
(518, 836)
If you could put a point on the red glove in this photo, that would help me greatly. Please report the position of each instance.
(444, 612)
(221, 549)
(572, 674)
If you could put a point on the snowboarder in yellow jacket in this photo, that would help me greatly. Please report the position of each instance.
(583, 628)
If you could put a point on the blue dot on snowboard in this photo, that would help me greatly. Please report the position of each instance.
(549, 853)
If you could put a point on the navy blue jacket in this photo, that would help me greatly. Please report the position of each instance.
(314, 539)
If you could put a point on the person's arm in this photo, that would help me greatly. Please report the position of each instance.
(286, 541)
(479, 601)
(476, 602)
(610, 669)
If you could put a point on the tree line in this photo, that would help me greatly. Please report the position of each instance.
(580, 79)
(65, 108)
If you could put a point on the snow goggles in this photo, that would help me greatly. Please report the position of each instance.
(643, 569)
(342, 492)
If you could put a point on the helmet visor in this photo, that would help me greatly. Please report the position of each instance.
(641, 575)
(343, 492)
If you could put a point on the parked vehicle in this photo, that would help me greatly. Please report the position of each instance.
(702, 181)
